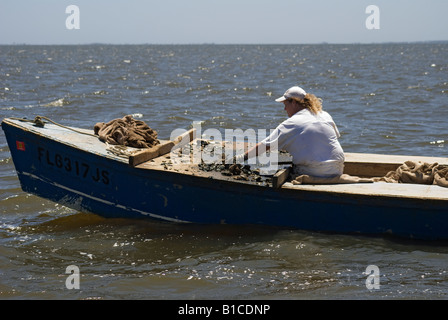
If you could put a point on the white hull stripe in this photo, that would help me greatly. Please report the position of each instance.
(152, 215)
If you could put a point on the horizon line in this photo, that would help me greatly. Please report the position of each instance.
(223, 44)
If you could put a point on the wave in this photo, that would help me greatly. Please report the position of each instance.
(57, 103)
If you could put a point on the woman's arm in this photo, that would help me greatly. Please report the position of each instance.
(254, 151)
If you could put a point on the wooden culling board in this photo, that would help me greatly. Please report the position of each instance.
(280, 177)
(161, 149)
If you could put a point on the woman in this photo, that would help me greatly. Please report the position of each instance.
(309, 135)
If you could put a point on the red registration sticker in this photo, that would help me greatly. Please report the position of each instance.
(20, 145)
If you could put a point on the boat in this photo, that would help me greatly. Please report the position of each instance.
(71, 166)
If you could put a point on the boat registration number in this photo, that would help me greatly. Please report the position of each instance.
(72, 166)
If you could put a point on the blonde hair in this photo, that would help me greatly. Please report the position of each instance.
(311, 102)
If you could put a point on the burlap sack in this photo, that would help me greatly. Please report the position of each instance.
(127, 132)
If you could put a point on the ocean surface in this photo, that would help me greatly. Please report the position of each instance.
(385, 98)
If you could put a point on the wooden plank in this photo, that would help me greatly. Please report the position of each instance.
(161, 149)
(280, 177)
(381, 189)
(387, 158)
(150, 153)
(378, 165)
(185, 138)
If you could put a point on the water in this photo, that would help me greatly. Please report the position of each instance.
(385, 98)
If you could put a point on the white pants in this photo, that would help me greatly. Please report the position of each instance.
(325, 169)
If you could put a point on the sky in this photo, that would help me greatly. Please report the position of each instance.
(221, 21)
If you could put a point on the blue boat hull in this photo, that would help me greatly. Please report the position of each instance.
(90, 182)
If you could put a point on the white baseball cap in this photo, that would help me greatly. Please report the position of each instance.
(293, 93)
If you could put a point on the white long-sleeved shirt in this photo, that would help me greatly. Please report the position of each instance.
(312, 141)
